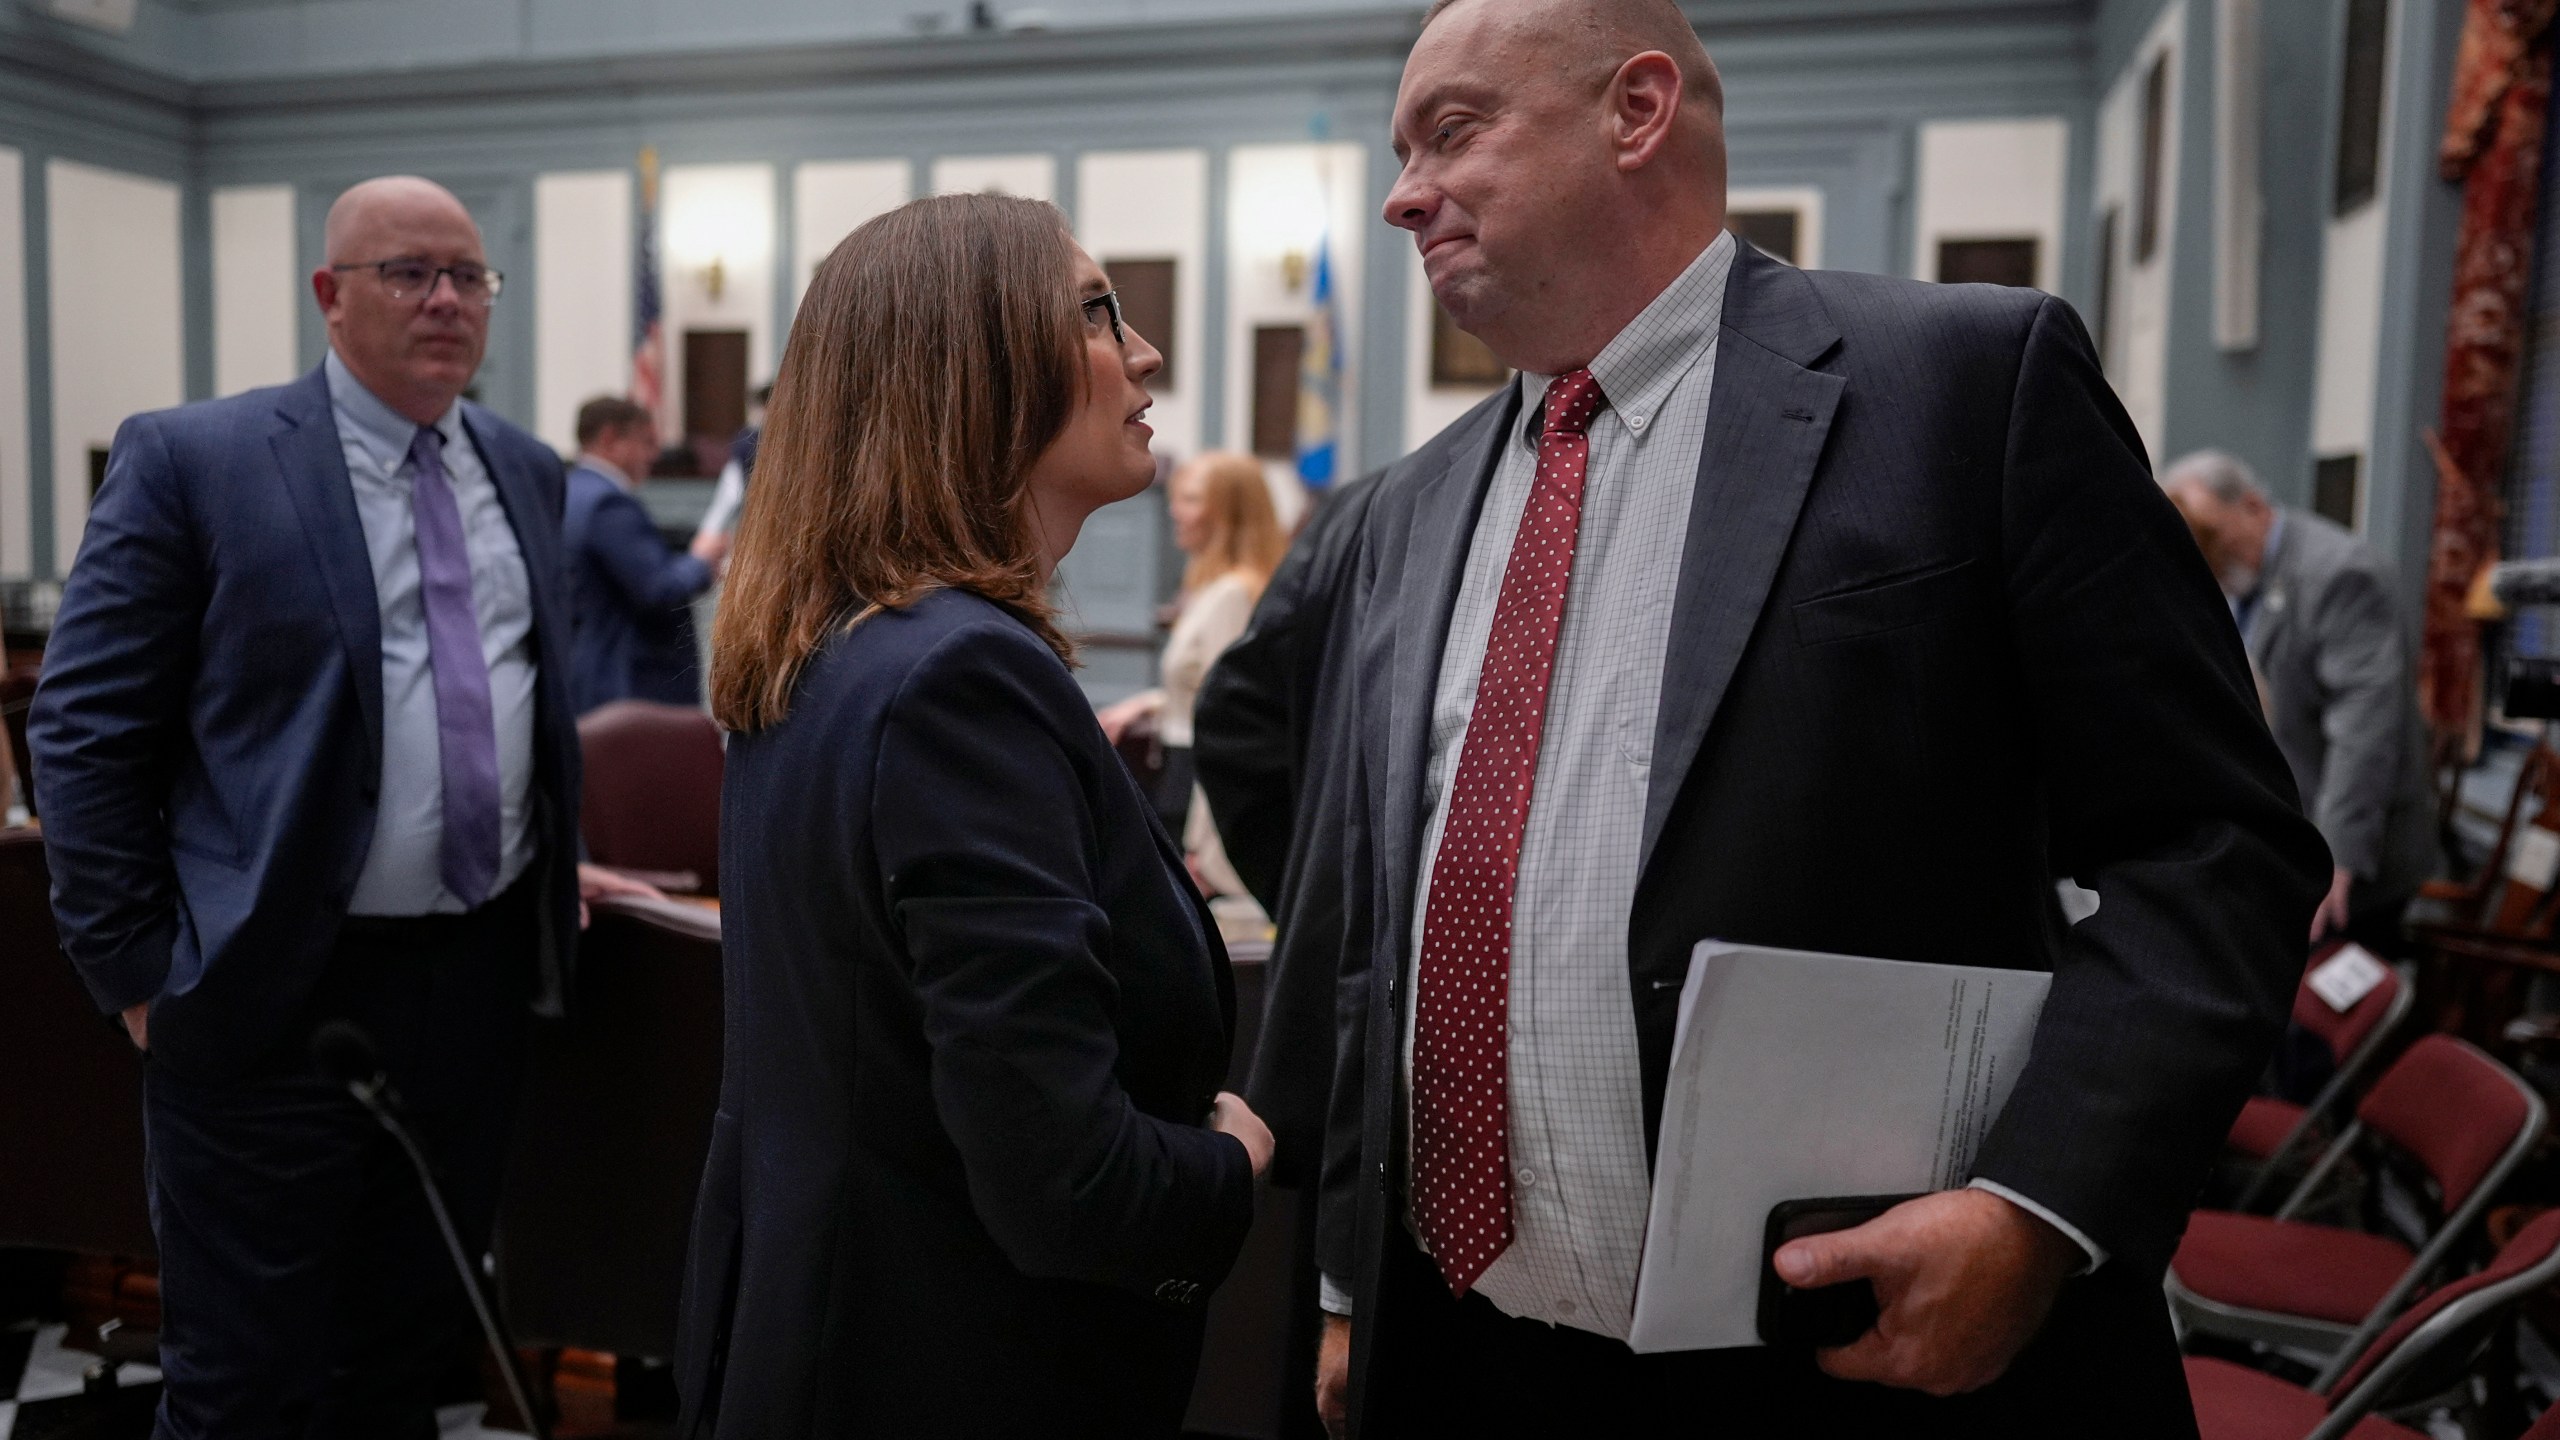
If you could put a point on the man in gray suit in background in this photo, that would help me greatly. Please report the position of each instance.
(2324, 632)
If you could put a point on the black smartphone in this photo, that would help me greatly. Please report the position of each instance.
(1824, 1316)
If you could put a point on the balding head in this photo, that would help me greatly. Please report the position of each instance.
(1600, 35)
(1563, 163)
(2226, 511)
(416, 349)
(383, 212)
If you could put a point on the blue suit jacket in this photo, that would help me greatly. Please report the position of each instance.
(633, 598)
(208, 729)
(977, 1015)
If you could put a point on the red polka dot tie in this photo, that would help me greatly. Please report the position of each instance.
(1461, 1048)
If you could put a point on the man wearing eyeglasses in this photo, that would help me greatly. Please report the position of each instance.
(308, 755)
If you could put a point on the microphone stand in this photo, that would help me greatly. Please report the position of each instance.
(347, 1055)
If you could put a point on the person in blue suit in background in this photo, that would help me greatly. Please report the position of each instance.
(633, 592)
(307, 756)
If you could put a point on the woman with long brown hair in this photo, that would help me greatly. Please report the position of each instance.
(972, 1173)
(1224, 521)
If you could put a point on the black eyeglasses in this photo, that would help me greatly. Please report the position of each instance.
(416, 279)
(1109, 300)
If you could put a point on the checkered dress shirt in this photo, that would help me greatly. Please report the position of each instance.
(1579, 1186)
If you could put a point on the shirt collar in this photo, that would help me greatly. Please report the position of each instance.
(589, 460)
(1640, 367)
(384, 433)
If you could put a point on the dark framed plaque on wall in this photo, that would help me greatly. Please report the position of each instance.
(1148, 304)
(1277, 351)
(1988, 262)
(1775, 233)
(1460, 360)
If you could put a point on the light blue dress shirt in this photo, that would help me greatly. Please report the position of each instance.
(403, 871)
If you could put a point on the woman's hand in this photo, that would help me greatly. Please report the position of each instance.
(595, 882)
(1229, 1115)
(1117, 718)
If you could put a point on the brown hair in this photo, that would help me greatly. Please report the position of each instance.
(608, 414)
(1244, 531)
(936, 355)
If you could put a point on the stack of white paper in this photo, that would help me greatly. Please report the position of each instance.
(1797, 1075)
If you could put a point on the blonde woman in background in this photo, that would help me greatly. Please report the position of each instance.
(1223, 520)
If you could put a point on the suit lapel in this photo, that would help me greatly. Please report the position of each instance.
(1435, 559)
(308, 453)
(1767, 419)
(537, 536)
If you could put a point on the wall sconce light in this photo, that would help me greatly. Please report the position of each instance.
(715, 278)
(1293, 270)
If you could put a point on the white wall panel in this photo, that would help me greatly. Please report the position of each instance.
(2348, 370)
(723, 213)
(830, 199)
(583, 294)
(1281, 200)
(2239, 198)
(117, 307)
(2137, 330)
(1033, 177)
(17, 551)
(255, 289)
(1154, 205)
(1992, 180)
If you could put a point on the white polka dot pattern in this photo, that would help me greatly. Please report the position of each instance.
(1461, 1054)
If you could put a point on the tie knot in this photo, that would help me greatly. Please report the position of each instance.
(427, 446)
(1572, 399)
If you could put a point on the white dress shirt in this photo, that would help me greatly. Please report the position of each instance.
(404, 870)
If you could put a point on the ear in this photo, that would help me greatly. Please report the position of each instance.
(1644, 103)
(324, 288)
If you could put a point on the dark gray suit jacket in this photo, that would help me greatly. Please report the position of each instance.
(1938, 639)
(2328, 640)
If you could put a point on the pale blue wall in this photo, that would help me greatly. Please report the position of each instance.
(2259, 404)
(485, 94)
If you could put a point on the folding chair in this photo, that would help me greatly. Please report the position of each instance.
(2424, 1354)
(2466, 1119)
(2269, 1130)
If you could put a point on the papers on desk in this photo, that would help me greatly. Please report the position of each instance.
(1797, 1076)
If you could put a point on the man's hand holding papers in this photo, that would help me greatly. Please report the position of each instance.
(1964, 1278)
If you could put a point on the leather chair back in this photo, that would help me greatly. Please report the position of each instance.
(652, 796)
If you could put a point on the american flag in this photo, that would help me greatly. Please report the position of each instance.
(649, 343)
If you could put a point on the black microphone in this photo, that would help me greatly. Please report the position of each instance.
(345, 1054)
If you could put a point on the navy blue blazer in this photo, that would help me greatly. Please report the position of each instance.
(208, 729)
(633, 598)
(976, 1016)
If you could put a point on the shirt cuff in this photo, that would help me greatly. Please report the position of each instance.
(1331, 1297)
(2071, 1232)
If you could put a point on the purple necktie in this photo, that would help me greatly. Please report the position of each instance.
(466, 732)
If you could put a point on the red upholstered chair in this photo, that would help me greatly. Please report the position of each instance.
(2464, 1118)
(2270, 1130)
(652, 800)
(2424, 1353)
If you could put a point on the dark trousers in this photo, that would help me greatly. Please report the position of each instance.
(1447, 1366)
(304, 1289)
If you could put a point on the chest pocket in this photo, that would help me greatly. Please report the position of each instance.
(1896, 604)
